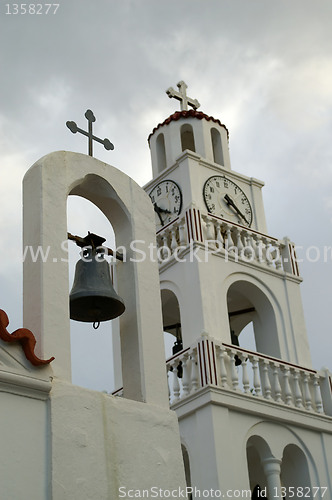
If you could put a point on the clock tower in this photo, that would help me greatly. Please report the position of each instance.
(223, 278)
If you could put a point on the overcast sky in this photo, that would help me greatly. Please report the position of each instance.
(264, 68)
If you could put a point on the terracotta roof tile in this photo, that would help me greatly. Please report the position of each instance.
(191, 113)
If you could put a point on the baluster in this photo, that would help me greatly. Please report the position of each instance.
(209, 229)
(307, 394)
(276, 383)
(185, 375)
(256, 377)
(265, 380)
(194, 372)
(176, 385)
(238, 243)
(223, 371)
(263, 249)
(234, 373)
(245, 377)
(168, 371)
(174, 242)
(182, 233)
(297, 390)
(259, 248)
(229, 245)
(248, 253)
(278, 262)
(318, 398)
(220, 239)
(253, 245)
(268, 252)
(164, 247)
(288, 392)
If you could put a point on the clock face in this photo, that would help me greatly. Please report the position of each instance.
(167, 201)
(226, 199)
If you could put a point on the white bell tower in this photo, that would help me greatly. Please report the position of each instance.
(244, 414)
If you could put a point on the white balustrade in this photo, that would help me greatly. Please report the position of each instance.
(240, 243)
(256, 376)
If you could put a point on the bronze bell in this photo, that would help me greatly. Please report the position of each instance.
(92, 297)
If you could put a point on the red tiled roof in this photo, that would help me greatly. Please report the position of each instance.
(191, 113)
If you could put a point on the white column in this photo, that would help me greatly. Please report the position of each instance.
(271, 468)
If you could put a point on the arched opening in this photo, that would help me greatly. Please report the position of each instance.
(295, 471)
(256, 449)
(252, 319)
(187, 137)
(89, 347)
(186, 463)
(218, 156)
(171, 323)
(161, 152)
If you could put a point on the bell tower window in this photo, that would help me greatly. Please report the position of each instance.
(171, 322)
(100, 377)
(218, 156)
(161, 152)
(187, 137)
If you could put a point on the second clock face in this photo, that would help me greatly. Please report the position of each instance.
(226, 199)
(167, 201)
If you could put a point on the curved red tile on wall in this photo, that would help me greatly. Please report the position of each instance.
(25, 337)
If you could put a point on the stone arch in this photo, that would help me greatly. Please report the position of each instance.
(272, 440)
(218, 156)
(248, 300)
(187, 137)
(46, 187)
(294, 469)
(161, 152)
(257, 449)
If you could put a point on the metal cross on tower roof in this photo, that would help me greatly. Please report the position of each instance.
(182, 96)
(91, 118)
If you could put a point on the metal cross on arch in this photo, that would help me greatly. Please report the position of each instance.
(91, 118)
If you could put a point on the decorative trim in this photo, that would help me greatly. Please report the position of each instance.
(25, 337)
(207, 362)
(191, 113)
(194, 226)
(295, 267)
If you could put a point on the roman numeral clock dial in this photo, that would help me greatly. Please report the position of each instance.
(166, 198)
(226, 199)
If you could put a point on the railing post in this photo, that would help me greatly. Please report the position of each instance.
(234, 373)
(265, 380)
(176, 385)
(245, 377)
(174, 243)
(318, 398)
(288, 392)
(182, 232)
(222, 367)
(297, 390)
(257, 383)
(307, 395)
(276, 383)
(194, 371)
(185, 376)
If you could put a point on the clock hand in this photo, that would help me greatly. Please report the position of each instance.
(231, 203)
(157, 210)
(164, 210)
